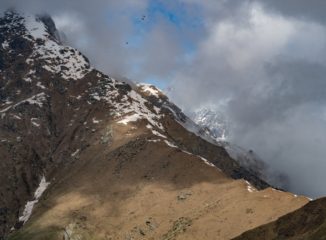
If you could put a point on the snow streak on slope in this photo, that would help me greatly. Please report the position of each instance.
(204, 160)
(154, 131)
(29, 206)
(35, 100)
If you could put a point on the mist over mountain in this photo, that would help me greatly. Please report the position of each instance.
(85, 155)
(216, 121)
(263, 68)
(216, 126)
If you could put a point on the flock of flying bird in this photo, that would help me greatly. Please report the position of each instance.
(143, 18)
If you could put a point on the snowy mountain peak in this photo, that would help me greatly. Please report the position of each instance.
(30, 37)
(37, 26)
(28, 34)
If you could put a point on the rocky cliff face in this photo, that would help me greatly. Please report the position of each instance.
(100, 144)
(37, 74)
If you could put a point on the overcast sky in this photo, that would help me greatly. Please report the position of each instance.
(261, 62)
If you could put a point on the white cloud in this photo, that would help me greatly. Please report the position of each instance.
(268, 72)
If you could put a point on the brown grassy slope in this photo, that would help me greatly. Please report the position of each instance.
(120, 187)
(306, 223)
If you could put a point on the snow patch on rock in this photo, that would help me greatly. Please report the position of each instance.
(153, 140)
(36, 99)
(144, 87)
(39, 84)
(6, 109)
(155, 132)
(251, 189)
(207, 162)
(132, 118)
(170, 144)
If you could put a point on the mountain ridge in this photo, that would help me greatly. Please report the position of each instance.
(215, 127)
(101, 145)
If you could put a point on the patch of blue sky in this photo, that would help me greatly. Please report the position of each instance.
(159, 83)
(182, 15)
(136, 37)
(187, 19)
(156, 81)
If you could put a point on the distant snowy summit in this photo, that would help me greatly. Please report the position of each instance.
(215, 126)
(216, 121)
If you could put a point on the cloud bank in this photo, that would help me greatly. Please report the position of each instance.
(267, 72)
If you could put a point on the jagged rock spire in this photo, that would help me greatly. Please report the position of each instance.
(48, 21)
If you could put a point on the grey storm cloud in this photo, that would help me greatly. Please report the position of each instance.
(311, 10)
(261, 62)
(294, 83)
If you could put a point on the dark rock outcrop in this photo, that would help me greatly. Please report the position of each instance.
(48, 21)
(124, 87)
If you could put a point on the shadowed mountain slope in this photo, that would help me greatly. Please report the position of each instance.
(307, 223)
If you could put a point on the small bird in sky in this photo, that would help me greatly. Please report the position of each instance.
(126, 42)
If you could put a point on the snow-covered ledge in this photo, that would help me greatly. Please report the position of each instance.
(29, 206)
